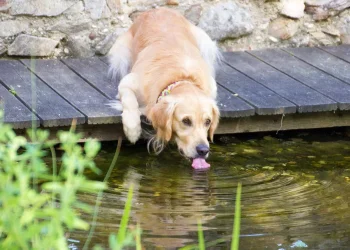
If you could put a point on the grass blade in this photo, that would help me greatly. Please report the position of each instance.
(200, 236)
(99, 196)
(237, 220)
(138, 237)
(125, 218)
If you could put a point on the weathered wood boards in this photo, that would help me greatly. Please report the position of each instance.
(15, 112)
(305, 98)
(309, 86)
(341, 51)
(323, 61)
(94, 71)
(263, 99)
(231, 105)
(75, 90)
(307, 74)
(51, 108)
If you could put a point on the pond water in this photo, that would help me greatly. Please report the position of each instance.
(296, 189)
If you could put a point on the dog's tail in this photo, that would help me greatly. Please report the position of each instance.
(208, 48)
(120, 56)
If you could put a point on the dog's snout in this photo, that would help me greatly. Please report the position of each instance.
(202, 149)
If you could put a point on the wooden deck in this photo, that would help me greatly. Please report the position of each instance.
(267, 90)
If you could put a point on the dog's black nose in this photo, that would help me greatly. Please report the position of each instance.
(202, 149)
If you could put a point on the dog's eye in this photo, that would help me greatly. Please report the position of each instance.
(207, 122)
(187, 122)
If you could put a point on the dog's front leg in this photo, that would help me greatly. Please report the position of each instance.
(131, 114)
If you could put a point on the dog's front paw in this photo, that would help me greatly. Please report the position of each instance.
(132, 124)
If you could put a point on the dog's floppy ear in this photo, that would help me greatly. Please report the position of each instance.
(214, 122)
(161, 116)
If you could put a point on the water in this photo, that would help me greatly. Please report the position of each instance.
(296, 191)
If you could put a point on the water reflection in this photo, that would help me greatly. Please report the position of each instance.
(295, 191)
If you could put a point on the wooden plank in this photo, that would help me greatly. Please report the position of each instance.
(324, 61)
(74, 89)
(341, 51)
(104, 59)
(306, 99)
(95, 72)
(329, 86)
(51, 108)
(15, 112)
(257, 123)
(267, 123)
(264, 100)
(232, 106)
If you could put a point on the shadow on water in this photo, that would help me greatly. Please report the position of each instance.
(296, 190)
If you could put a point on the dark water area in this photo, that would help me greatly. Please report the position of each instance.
(296, 192)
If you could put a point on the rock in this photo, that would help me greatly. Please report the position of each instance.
(194, 13)
(114, 5)
(273, 39)
(40, 7)
(4, 5)
(79, 46)
(92, 36)
(345, 38)
(331, 30)
(142, 5)
(76, 8)
(318, 14)
(12, 27)
(345, 32)
(71, 27)
(97, 8)
(26, 45)
(322, 9)
(300, 40)
(293, 8)
(3, 49)
(283, 28)
(226, 20)
(338, 5)
(172, 2)
(105, 45)
(321, 38)
(317, 2)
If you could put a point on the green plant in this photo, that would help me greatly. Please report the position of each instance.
(125, 237)
(235, 231)
(237, 220)
(37, 208)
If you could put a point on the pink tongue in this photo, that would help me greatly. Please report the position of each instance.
(199, 163)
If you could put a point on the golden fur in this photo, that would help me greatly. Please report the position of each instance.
(161, 48)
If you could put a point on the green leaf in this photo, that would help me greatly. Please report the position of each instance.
(53, 186)
(201, 243)
(92, 186)
(125, 217)
(91, 148)
(237, 220)
(80, 224)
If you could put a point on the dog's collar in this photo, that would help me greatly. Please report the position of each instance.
(167, 90)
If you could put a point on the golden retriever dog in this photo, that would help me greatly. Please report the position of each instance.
(167, 68)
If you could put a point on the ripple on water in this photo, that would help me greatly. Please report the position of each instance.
(293, 189)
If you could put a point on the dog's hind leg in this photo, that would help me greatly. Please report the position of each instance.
(208, 48)
(119, 56)
(131, 114)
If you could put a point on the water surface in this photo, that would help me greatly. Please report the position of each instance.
(296, 190)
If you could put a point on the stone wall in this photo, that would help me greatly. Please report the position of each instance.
(83, 28)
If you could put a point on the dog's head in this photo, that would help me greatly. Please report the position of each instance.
(187, 118)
